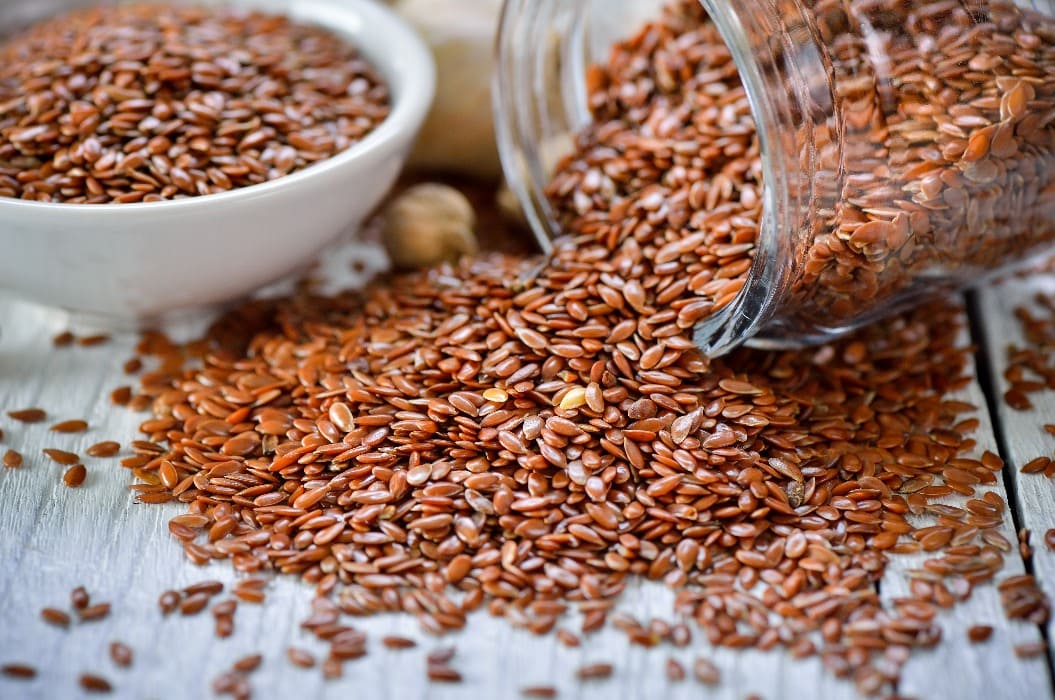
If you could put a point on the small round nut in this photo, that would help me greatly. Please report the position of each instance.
(427, 225)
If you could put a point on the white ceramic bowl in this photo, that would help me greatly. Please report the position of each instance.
(128, 262)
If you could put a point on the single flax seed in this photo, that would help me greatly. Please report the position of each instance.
(121, 654)
(1028, 650)
(248, 664)
(169, 602)
(594, 671)
(75, 476)
(55, 617)
(107, 448)
(300, 657)
(28, 415)
(19, 670)
(61, 456)
(398, 642)
(95, 684)
(79, 598)
(979, 633)
(69, 426)
(442, 673)
(94, 612)
(63, 339)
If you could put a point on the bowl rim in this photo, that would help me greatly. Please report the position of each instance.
(406, 65)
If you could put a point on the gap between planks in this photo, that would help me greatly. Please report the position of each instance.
(1021, 432)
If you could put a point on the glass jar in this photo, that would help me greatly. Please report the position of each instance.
(907, 146)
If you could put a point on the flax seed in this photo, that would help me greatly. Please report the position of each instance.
(248, 664)
(55, 617)
(300, 657)
(567, 638)
(225, 683)
(705, 671)
(1028, 650)
(168, 602)
(28, 415)
(95, 684)
(398, 642)
(194, 604)
(62, 456)
(12, 459)
(19, 671)
(979, 633)
(94, 612)
(332, 668)
(106, 448)
(248, 595)
(594, 671)
(70, 426)
(79, 598)
(121, 654)
(442, 673)
(441, 655)
(224, 626)
(207, 588)
(75, 476)
(1036, 465)
(225, 608)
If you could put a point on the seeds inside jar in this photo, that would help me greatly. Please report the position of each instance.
(908, 192)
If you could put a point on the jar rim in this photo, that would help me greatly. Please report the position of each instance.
(743, 317)
(521, 119)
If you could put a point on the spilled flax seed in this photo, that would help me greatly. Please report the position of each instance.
(536, 434)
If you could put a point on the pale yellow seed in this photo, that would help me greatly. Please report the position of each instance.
(575, 398)
(341, 416)
(496, 395)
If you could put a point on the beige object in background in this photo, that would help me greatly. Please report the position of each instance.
(458, 135)
(429, 224)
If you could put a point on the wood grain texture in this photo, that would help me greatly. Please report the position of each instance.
(53, 538)
(1022, 432)
(957, 668)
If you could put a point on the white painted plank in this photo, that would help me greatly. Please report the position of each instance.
(957, 668)
(53, 538)
(1022, 431)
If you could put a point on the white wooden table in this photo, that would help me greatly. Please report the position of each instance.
(53, 538)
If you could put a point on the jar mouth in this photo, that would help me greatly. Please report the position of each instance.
(519, 96)
(524, 128)
(739, 321)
